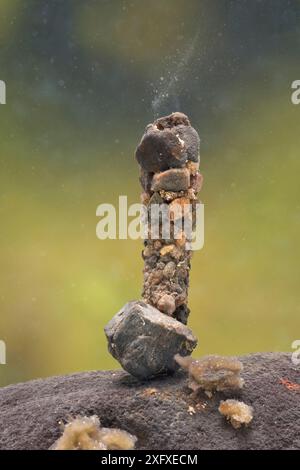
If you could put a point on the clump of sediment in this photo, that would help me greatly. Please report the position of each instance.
(237, 412)
(168, 155)
(212, 373)
(86, 433)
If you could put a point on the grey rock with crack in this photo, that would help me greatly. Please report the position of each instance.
(144, 340)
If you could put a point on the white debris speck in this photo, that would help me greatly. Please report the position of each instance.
(191, 410)
(180, 140)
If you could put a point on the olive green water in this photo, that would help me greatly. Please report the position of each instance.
(68, 134)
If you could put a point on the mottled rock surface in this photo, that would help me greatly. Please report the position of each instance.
(168, 143)
(144, 340)
(160, 150)
(162, 413)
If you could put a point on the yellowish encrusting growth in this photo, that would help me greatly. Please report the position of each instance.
(212, 373)
(237, 412)
(86, 433)
(116, 439)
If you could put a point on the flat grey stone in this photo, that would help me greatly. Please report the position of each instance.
(163, 413)
(144, 340)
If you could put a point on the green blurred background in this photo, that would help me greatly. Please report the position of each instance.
(83, 79)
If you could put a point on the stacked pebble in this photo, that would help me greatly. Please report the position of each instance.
(168, 155)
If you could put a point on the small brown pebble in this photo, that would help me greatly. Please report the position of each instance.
(157, 245)
(171, 180)
(172, 120)
(177, 253)
(156, 276)
(169, 269)
(197, 182)
(145, 180)
(160, 265)
(147, 252)
(179, 208)
(151, 262)
(190, 194)
(166, 249)
(193, 167)
(181, 313)
(168, 196)
(180, 239)
(166, 304)
(182, 272)
(145, 198)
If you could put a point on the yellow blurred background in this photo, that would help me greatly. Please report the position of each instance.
(81, 81)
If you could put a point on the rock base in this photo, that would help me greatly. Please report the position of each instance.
(163, 414)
